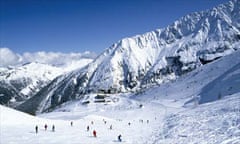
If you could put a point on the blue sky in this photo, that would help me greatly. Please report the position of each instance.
(86, 25)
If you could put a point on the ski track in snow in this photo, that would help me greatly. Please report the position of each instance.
(18, 128)
(119, 117)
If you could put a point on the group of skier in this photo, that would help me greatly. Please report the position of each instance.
(88, 128)
(94, 133)
(105, 122)
(45, 128)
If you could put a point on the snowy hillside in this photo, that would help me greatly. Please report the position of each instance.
(165, 54)
(212, 123)
(136, 132)
(176, 85)
(164, 114)
(22, 82)
(175, 116)
(154, 57)
(211, 98)
(208, 83)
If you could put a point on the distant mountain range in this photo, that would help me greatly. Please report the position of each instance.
(156, 57)
(19, 83)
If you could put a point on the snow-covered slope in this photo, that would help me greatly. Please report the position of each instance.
(23, 130)
(165, 54)
(209, 98)
(10, 116)
(211, 123)
(154, 57)
(208, 83)
(165, 116)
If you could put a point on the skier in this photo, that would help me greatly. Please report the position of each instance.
(45, 127)
(71, 123)
(87, 128)
(147, 121)
(110, 127)
(129, 123)
(94, 133)
(36, 129)
(120, 138)
(92, 122)
(53, 128)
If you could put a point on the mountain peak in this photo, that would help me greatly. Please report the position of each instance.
(152, 58)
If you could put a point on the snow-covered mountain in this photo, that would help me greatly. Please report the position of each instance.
(19, 83)
(25, 81)
(154, 57)
(206, 84)
(166, 116)
(211, 98)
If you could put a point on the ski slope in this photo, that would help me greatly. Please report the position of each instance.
(216, 122)
(23, 131)
(212, 123)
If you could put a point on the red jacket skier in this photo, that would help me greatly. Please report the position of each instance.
(94, 133)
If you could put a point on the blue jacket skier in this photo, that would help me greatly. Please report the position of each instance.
(120, 138)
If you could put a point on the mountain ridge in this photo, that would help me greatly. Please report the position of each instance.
(152, 58)
(19, 83)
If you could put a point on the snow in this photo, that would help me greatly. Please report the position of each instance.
(30, 78)
(172, 116)
(41, 71)
(206, 83)
(202, 106)
(211, 123)
(158, 56)
(216, 122)
(23, 131)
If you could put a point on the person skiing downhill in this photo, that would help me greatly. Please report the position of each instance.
(36, 129)
(45, 127)
(94, 133)
(120, 138)
(53, 128)
(87, 128)
(71, 123)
